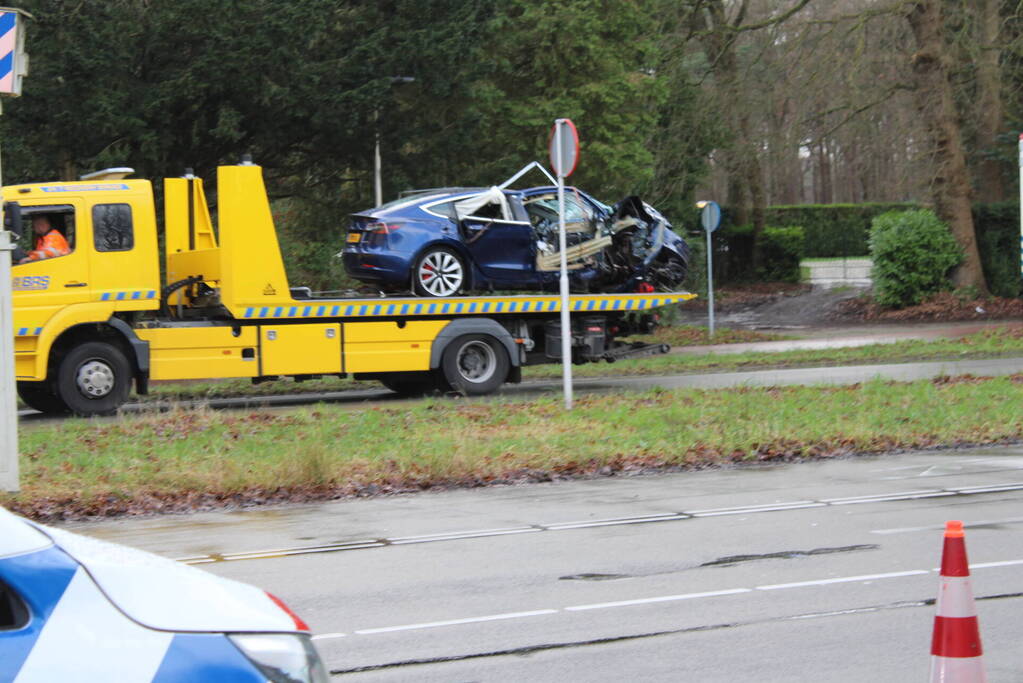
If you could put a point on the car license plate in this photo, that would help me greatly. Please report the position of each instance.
(354, 237)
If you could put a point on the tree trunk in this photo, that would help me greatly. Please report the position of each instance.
(990, 184)
(824, 160)
(950, 183)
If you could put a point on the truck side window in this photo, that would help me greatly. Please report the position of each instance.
(60, 217)
(112, 227)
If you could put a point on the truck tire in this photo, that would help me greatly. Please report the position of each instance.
(94, 379)
(475, 364)
(41, 396)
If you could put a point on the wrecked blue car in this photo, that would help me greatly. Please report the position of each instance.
(443, 242)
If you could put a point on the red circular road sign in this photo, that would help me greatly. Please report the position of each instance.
(564, 160)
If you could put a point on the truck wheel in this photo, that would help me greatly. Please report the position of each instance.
(411, 383)
(475, 364)
(94, 379)
(40, 396)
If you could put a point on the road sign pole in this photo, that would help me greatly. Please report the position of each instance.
(1021, 204)
(566, 320)
(8, 406)
(564, 150)
(710, 219)
(13, 68)
(710, 286)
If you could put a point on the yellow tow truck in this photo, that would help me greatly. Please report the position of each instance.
(90, 323)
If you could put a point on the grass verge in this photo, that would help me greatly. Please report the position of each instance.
(201, 459)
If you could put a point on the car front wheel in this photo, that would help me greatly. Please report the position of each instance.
(439, 272)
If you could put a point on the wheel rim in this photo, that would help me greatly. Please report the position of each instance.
(477, 362)
(95, 379)
(440, 273)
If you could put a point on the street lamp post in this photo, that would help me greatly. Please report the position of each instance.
(378, 186)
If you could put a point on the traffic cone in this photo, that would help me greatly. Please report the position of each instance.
(955, 646)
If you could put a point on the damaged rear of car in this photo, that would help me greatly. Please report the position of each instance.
(451, 240)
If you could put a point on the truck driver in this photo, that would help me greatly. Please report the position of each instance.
(49, 243)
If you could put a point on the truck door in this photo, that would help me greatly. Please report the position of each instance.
(124, 268)
(43, 287)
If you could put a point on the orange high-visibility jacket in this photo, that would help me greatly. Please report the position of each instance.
(49, 245)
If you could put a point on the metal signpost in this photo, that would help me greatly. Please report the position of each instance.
(1021, 204)
(13, 67)
(564, 156)
(710, 218)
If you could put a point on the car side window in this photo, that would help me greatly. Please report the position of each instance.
(13, 613)
(543, 213)
(112, 228)
(489, 211)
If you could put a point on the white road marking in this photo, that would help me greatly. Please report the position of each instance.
(454, 622)
(842, 579)
(986, 565)
(660, 598)
(938, 527)
(663, 598)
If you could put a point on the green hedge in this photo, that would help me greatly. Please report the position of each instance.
(833, 229)
(843, 230)
(781, 252)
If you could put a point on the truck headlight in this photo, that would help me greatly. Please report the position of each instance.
(282, 657)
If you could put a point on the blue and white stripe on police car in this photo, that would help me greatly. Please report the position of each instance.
(70, 648)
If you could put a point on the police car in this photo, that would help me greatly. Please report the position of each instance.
(77, 609)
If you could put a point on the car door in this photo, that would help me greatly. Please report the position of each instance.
(501, 245)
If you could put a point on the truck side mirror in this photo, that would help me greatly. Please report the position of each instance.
(12, 218)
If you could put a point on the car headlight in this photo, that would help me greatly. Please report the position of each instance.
(282, 657)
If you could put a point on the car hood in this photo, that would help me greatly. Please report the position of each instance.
(167, 595)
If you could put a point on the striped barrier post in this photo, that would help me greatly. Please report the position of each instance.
(956, 654)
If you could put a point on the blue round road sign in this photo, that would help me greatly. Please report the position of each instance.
(710, 218)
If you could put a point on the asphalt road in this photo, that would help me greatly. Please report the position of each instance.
(902, 372)
(816, 571)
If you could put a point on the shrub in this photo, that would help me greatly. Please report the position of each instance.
(913, 253)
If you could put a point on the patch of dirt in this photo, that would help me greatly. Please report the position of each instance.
(772, 306)
(942, 307)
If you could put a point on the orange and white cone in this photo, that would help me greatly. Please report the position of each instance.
(955, 646)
